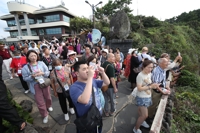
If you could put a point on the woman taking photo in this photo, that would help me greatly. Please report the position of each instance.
(34, 74)
(17, 64)
(143, 98)
(65, 78)
(71, 60)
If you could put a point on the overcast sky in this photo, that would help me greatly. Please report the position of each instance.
(161, 9)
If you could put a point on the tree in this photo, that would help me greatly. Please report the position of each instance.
(80, 23)
(112, 7)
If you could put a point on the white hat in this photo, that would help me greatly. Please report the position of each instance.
(104, 50)
(70, 52)
(130, 50)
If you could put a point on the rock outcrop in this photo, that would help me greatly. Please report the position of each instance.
(120, 25)
(27, 105)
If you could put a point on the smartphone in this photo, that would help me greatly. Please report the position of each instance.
(93, 64)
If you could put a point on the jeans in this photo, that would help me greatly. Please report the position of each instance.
(109, 94)
(146, 102)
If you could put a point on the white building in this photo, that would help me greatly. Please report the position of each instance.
(26, 22)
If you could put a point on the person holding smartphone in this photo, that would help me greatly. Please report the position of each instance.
(143, 96)
(92, 61)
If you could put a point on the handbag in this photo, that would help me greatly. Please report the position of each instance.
(137, 69)
(46, 83)
(90, 120)
(65, 93)
(105, 88)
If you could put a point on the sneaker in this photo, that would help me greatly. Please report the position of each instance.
(16, 75)
(137, 131)
(144, 124)
(106, 114)
(50, 109)
(112, 113)
(45, 120)
(71, 110)
(27, 91)
(11, 77)
(66, 117)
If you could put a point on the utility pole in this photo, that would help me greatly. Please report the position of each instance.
(93, 10)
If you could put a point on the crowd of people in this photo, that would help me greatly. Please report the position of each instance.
(55, 66)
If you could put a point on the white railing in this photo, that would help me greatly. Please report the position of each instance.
(157, 122)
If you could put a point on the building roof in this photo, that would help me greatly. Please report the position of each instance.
(43, 10)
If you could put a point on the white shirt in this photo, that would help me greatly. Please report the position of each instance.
(144, 80)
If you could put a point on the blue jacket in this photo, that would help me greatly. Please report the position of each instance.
(26, 74)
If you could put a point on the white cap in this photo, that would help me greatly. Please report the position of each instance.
(104, 50)
(70, 52)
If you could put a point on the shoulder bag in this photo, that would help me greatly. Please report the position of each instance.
(105, 88)
(47, 81)
(65, 93)
(90, 120)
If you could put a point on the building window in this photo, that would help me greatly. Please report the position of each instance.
(24, 33)
(39, 21)
(52, 18)
(13, 34)
(67, 30)
(21, 22)
(41, 31)
(33, 32)
(50, 31)
(11, 23)
(66, 19)
(31, 21)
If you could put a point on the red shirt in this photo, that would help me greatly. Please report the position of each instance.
(18, 63)
(12, 48)
(70, 47)
(5, 54)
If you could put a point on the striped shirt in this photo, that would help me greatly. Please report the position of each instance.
(159, 76)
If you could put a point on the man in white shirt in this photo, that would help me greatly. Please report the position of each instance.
(144, 54)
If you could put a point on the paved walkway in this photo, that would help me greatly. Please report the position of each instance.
(122, 122)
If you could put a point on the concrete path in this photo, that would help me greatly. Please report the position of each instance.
(122, 122)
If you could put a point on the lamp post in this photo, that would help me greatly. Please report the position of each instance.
(93, 6)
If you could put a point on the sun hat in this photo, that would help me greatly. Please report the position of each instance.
(104, 50)
(71, 52)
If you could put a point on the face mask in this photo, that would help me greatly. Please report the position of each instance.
(17, 56)
(58, 67)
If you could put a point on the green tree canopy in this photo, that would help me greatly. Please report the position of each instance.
(80, 23)
(112, 7)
